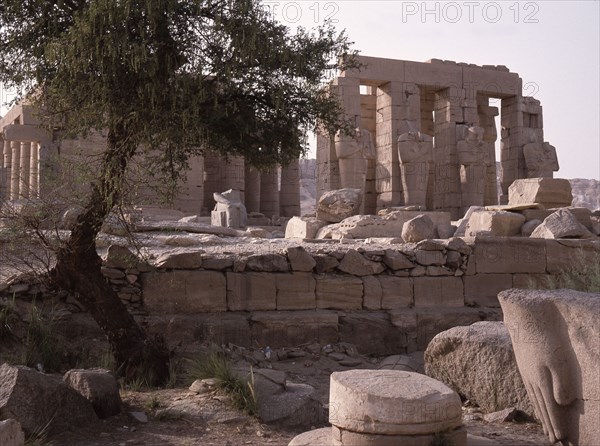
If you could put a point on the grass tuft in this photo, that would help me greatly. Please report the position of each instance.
(216, 365)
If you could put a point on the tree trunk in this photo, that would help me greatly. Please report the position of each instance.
(78, 270)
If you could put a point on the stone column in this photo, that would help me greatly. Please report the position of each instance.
(15, 148)
(487, 115)
(448, 111)
(512, 142)
(232, 175)
(252, 189)
(24, 170)
(34, 170)
(190, 196)
(289, 197)
(269, 193)
(398, 109)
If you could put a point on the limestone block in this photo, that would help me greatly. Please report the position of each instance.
(284, 328)
(481, 290)
(335, 205)
(462, 223)
(547, 192)
(99, 387)
(299, 259)
(561, 224)
(427, 258)
(372, 293)
(510, 255)
(217, 263)
(251, 291)
(397, 292)
(183, 291)
(478, 362)
(318, 436)
(396, 260)
(343, 437)
(532, 281)
(417, 229)
(555, 336)
(371, 332)
(12, 435)
(296, 291)
(356, 264)
(303, 227)
(438, 292)
(567, 254)
(180, 259)
(325, 263)
(392, 402)
(498, 223)
(339, 292)
(267, 263)
(529, 226)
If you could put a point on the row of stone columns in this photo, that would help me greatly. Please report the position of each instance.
(20, 170)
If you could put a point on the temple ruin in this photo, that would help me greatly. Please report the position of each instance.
(31, 154)
(426, 135)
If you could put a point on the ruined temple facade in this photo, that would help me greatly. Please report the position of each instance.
(438, 115)
(31, 156)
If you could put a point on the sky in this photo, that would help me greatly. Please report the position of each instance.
(553, 45)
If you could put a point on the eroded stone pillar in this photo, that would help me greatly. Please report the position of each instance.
(513, 139)
(15, 148)
(252, 189)
(34, 170)
(269, 192)
(289, 196)
(24, 170)
(232, 175)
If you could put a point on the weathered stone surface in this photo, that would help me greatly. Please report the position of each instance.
(446, 231)
(481, 290)
(296, 291)
(343, 437)
(565, 254)
(427, 258)
(335, 205)
(217, 263)
(340, 293)
(251, 292)
(285, 328)
(321, 437)
(438, 292)
(376, 402)
(510, 255)
(299, 259)
(478, 362)
(372, 293)
(325, 263)
(372, 333)
(11, 433)
(303, 227)
(529, 226)
(396, 260)
(99, 387)
(120, 257)
(397, 292)
(502, 416)
(388, 225)
(547, 192)
(184, 291)
(356, 264)
(35, 399)
(180, 260)
(497, 223)
(463, 222)
(406, 363)
(561, 224)
(267, 263)
(417, 229)
(555, 337)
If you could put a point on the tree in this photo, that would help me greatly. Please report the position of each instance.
(167, 77)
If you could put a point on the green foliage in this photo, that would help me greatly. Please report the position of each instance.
(216, 365)
(582, 275)
(174, 75)
(42, 345)
(7, 318)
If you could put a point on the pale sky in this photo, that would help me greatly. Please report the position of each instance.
(553, 45)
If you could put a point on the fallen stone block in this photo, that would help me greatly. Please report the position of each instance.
(99, 387)
(547, 192)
